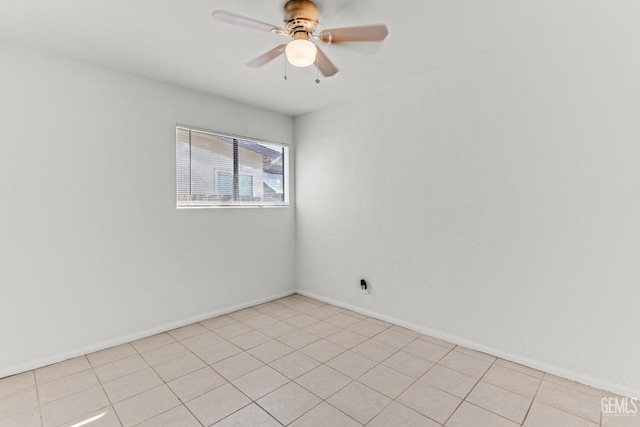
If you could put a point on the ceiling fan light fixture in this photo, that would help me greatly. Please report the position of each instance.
(301, 52)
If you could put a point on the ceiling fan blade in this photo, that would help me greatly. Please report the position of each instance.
(368, 33)
(269, 56)
(232, 18)
(324, 65)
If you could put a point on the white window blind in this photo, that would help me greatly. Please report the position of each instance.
(219, 170)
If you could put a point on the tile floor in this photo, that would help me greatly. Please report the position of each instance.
(296, 362)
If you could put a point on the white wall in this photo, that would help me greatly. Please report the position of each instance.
(92, 246)
(496, 203)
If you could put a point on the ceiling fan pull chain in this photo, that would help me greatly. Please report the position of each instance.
(285, 68)
(317, 75)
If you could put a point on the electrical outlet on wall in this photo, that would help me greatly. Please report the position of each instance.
(364, 286)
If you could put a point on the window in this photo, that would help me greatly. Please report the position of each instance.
(221, 170)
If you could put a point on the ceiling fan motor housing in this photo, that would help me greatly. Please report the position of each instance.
(300, 17)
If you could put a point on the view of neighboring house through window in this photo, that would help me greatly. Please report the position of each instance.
(220, 170)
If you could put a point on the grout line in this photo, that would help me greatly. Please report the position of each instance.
(550, 405)
(535, 395)
(38, 398)
(470, 391)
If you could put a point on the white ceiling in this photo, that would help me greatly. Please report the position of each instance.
(177, 41)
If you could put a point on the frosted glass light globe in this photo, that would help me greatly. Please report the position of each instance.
(301, 53)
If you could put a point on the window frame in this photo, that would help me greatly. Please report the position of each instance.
(236, 203)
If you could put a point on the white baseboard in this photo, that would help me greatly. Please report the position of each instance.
(17, 369)
(541, 366)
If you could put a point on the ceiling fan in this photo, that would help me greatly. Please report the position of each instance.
(300, 24)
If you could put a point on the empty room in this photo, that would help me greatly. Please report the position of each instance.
(320, 213)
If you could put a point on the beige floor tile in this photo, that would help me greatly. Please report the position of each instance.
(288, 301)
(476, 354)
(237, 366)
(283, 313)
(217, 404)
(104, 417)
(394, 339)
(62, 369)
(270, 351)
(154, 341)
(466, 364)
(249, 416)
(278, 329)
(304, 306)
(250, 340)
(378, 322)
(260, 382)
(233, 330)
(322, 329)
(112, 354)
(145, 406)
(289, 402)
(217, 322)
(386, 381)
(217, 352)
(437, 341)
(298, 339)
(620, 411)
(359, 402)
(499, 401)
(366, 328)
(519, 368)
(66, 386)
(429, 401)
(120, 368)
(73, 407)
(470, 415)
(629, 420)
(354, 314)
(176, 417)
(541, 415)
(323, 381)
(405, 331)
(179, 367)
(322, 350)
(514, 381)
(164, 354)
(21, 401)
(16, 383)
(346, 339)
(351, 364)
(322, 313)
(245, 314)
(399, 415)
(130, 385)
(268, 307)
(408, 364)
(325, 415)
(187, 331)
(374, 350)
(196, 384)
(567, 399)
(342, 320)
(23, 419)
(200, 341)
(426, 350)
(295, 364)
(260, 321)
(453, 382)
(301, 321)
(573, 385)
